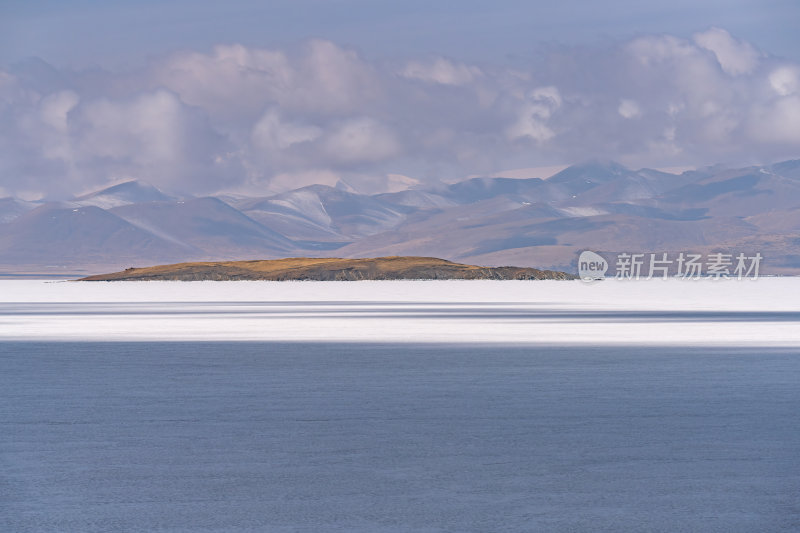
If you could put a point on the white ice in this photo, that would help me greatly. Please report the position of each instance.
(762, 312)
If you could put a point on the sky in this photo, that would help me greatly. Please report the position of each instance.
(200, 97)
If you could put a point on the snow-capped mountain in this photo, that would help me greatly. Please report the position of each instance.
(493, 221)
(129, 192)
(11, 208)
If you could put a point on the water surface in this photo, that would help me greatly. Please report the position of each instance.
(225, 436)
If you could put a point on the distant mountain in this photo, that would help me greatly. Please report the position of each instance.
(545, 223)
(630, 187)
(479, 189)
(57, 235)
(607, 207)
(414, 199)
(743, 192)
(206, 225)
(11, 208)
(129, 192)
(321, 216)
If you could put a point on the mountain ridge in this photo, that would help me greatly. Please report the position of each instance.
(490, 221)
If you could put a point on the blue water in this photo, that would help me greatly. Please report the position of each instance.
(320, 437)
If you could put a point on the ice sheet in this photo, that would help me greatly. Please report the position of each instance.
(664, 312)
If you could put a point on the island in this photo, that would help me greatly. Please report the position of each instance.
(328, 269)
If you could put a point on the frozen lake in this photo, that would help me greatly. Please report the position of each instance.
(657, 312)
(400, 406)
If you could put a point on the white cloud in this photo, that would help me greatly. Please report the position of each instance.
(240, 116)
(235, 81)
(145, 128)
(361, 140)
(441, 71)
(734, 56)
(153, 136)
(540, 104)
(629, 109)
(273, 134)
(785, 80)
(231, 81)
(8, 89)
(654, 50)
(55, 107)
(778, 122)
(53, 112)
(334, 80)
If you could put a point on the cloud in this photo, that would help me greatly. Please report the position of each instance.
(64, 144)
(9, 90)
(629, 109)
(231, 82)
(239, 117)
(54, 111)
(777, 122)
(361, 140)
(734, 56)
(154, 136)
(785, 80)
(539, 105)
(441, 71)
(234, 81)
(334, 80)
(274, 135)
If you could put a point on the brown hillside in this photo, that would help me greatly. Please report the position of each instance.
(328, 269)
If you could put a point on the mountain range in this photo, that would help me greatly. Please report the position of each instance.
(542, 223)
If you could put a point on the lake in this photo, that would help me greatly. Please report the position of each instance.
(400, 406)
